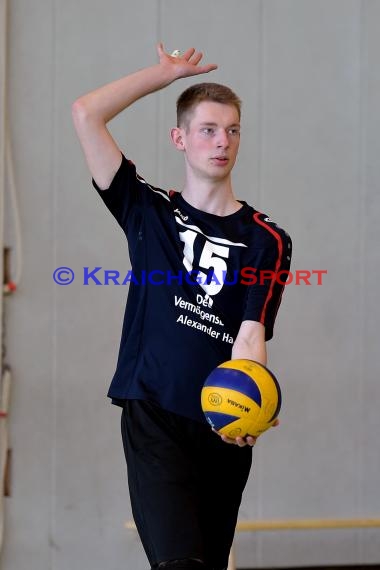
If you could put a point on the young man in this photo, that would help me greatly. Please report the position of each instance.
(191, 305)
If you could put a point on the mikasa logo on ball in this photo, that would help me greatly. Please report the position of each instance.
(241, 407)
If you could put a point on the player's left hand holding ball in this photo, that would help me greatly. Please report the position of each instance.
(242, 441)
(241, 399)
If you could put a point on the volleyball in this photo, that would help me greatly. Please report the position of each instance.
(241, 397)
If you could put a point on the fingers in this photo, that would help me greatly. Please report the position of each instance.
(240, 441)
(189, 53)
(251, 440)
(206, 68)
(195, 57)
(191, 58)
(160, 49)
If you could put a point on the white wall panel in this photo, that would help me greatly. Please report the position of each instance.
(310, 166)
(368, 424)
(106, 41)
(30, 324)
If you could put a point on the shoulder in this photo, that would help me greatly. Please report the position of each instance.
(267, 231)
(128, 175)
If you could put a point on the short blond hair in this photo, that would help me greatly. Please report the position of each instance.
(200, 92)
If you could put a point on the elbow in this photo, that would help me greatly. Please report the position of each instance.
(85, 118)
(79, 110)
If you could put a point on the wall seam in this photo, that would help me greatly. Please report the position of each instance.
(362, 151)
(261, 99)
(158, 107)
(53, 409)
(260, 115)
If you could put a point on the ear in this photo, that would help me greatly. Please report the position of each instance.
(176, 135)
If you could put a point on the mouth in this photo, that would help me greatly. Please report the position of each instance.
(220, 160)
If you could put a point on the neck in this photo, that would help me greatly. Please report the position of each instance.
(213, 197)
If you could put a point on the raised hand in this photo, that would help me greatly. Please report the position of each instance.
(183, 65)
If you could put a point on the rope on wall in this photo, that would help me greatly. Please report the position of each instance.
(8, 282)
(4, 451)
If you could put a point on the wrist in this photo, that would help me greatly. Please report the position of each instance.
(164, 74)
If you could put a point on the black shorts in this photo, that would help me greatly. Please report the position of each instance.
(185, 484)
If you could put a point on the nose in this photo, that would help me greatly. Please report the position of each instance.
(222, 139)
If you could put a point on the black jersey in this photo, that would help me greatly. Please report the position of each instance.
(195, 277)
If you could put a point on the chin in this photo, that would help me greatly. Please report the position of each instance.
(219, 173)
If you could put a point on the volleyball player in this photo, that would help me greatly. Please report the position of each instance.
(190, 307)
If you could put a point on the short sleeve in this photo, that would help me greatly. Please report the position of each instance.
(127, 190)
(266, 278)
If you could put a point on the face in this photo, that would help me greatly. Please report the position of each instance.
(211, 141)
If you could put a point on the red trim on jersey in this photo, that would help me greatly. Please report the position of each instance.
(171, 193)
(278, 262)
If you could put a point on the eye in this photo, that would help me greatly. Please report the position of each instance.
(235, 131)
(208, 131)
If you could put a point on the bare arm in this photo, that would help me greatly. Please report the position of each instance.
(250, 342)
(93, 111)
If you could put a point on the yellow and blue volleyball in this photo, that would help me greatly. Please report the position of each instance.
(241, 397)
